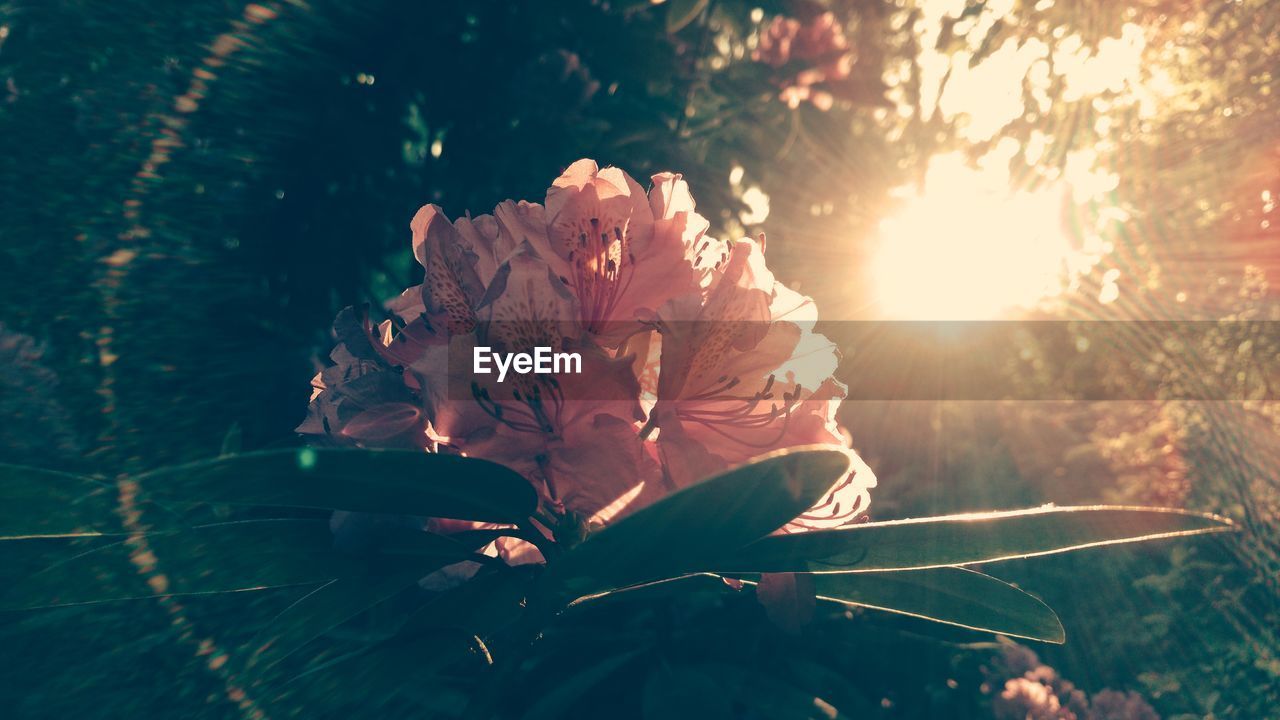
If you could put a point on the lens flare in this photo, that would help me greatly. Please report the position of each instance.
(964, 247)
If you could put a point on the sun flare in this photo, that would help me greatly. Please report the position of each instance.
(964, 247)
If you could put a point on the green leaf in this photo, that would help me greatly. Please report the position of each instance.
(688, 529)
(954, 596)
(38, 503)
(963, 539)
(682, 12)
(374, 481)
(225, 557)
(659, 591)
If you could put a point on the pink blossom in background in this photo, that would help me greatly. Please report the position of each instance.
(818, 47)
(785, 39)
(1115, 705)
(1023, 688)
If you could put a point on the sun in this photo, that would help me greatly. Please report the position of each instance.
(965, 247)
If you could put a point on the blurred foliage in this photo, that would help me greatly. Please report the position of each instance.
(191, 190)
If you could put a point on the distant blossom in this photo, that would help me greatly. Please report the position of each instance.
(816, 49)
(1023, 688)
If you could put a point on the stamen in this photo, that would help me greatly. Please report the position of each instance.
(743, 412)
(602, 271)
(499, 412)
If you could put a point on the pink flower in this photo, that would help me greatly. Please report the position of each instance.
(1027, 699)
(361, 400)
(1036, 691)
(776, 38)
(451, 288)
(621, 252)
(742, 373)
(573, 434)
(818, 46)
(679, 334)
(1115, 705)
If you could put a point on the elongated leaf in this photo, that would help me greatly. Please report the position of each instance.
(954, 596)
(688, 529)
(964, 539)
(37, 503)
(658, 591)
(226, 557)
(373, 481)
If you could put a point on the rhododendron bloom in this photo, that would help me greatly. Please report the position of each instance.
(622, 252)
(361, 399)
(818, 47)
(451, 289)
(742, 373)
(694, 358)
(571, 434)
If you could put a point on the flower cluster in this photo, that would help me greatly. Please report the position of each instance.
(818, 46)
(1035, 691)
(694, 357)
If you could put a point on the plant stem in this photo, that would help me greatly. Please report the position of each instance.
(529, 532)
(525, 634)
(649, 427)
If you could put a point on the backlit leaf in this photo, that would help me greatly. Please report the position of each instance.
(685, 531)
(964, 539)
(948, 595)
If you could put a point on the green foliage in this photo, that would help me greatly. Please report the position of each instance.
(955, 596)
(686, 530)
(965, 539)
(497, 618)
